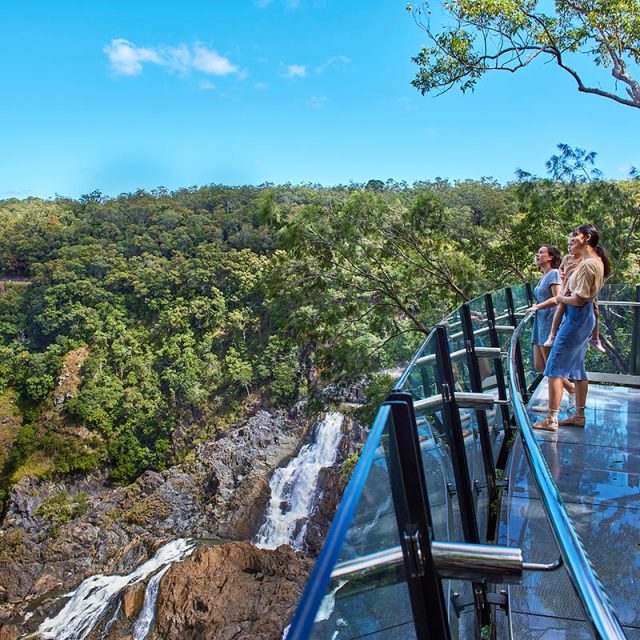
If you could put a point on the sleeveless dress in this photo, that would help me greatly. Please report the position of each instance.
(566, 359)
(543, 319)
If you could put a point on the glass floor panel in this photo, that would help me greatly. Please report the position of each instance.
(597, 471)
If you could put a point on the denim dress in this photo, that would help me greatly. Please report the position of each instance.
(543, 319)
(566, 359)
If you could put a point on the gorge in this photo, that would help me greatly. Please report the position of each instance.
(123, 604)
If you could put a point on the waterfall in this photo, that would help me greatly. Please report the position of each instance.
(93, 598)
(293, 487)
(142, 625)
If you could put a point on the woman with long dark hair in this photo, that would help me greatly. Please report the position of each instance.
(547, 260)
(566, 359)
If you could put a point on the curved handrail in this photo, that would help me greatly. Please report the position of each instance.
(585, 580)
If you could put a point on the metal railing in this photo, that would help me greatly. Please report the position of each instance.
(586, 582)
(421, 496)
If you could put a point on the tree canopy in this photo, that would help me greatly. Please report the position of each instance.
(478, 36)
(191, 305)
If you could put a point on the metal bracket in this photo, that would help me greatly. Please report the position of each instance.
(451, 489)
(493, 599)
(460, 604)
(500, 599)
(412, 545)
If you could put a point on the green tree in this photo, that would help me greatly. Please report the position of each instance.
(478, 36)
(362, 272)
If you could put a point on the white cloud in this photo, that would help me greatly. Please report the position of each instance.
(296, 71)
(177, 58)
(334, 61)
(206, 85)
(126, 59)
(260, 86)
(211, 62)
(261, 4)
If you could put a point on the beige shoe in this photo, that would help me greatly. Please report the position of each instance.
(540, 408)
(572, 421)
(548, 424)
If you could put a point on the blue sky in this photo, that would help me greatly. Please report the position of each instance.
(117, 95)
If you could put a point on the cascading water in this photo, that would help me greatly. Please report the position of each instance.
(93, 598)
(143, 624)
(293, 487)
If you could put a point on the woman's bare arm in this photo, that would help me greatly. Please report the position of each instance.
(573, 299)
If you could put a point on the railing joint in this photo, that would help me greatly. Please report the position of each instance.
(414, 555)
(500, 599)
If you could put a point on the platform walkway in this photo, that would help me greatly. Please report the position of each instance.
(597, 471)
(412, 551)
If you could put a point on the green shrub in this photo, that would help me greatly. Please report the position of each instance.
(349, 464)
(60, 508)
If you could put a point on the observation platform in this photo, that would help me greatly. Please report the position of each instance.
(462, 521)
(597, 472)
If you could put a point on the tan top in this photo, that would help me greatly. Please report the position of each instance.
(567, 267)
(587, 279)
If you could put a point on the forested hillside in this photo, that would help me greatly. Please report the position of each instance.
(183, 308)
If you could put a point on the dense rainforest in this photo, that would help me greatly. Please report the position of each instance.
(186, 307)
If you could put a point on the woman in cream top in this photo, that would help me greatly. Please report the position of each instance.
(587, 279)
(566, 359)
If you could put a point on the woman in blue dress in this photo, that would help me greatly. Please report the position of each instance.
(566, 359)
(547, 260)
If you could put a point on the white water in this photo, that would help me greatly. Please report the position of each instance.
(143, 624)
(328, 603)
(114, 618)
(293, 487)
(93, 597)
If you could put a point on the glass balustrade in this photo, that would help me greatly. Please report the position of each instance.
(434, 448)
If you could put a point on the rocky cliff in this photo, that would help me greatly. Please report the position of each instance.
(46, 542)
(219, 493)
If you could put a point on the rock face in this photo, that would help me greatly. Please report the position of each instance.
(232, 591)
(220, 492)
(331, 485)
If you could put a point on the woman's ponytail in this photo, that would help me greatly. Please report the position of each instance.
(604, 256)
(594, 242)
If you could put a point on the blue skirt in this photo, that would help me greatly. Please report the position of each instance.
(566, 359)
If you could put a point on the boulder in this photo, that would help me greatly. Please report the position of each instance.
(132, 600)
(234, 590)
(8, 632)
(247, 508)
